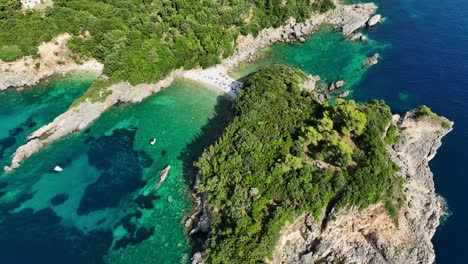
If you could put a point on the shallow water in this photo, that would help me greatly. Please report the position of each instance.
(325, 53)
(23, 112)
(104, 206)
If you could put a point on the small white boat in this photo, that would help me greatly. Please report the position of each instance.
(58, 168)
(163, 176)
(153, 141)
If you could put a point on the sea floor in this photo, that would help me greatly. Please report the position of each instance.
(103, 207)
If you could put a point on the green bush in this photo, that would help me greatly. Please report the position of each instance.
(425, 112)
(392, 135)
(10, 53)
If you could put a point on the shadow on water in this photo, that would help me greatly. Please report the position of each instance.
(208, 134)
(28, 236)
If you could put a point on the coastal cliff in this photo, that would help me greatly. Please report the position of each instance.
(371, 236)
(348, 17)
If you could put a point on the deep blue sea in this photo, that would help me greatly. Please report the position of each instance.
(427, 63)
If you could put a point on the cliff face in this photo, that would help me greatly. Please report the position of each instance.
(370, 236)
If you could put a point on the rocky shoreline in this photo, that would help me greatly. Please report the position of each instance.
(54, 58)
(370, 236)
(349, 17)
(82, 115)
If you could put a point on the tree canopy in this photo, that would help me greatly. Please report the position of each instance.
(142, 41)
(284, 154)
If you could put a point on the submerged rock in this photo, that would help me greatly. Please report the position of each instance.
(59, 199)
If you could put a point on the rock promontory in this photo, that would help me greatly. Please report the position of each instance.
(79, 117)
(371, 236)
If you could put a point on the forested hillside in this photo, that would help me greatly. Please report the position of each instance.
(142, 41)
(285, 154)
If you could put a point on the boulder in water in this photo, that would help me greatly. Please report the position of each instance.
(339, 84)
(344, 94)
(372, 60)
(374, 20)
(358, 36)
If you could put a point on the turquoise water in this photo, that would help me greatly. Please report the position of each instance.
(103, 207)
(325, 53)
(23, 112)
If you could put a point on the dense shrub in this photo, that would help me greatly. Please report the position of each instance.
(264, 169)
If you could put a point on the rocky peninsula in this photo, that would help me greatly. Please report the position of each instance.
(371, 236)
(348, 17)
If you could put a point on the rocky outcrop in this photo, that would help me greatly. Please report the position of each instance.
(311, 83)
(357, 36)
(339, 84)
(374, 20)
(343, 94)
(347, 17)
(80, 116)
(370, 236)
(336, 85)
(36, 4)
(373, 60)
(54, 58)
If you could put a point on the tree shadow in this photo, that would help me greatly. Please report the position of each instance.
(208, 135)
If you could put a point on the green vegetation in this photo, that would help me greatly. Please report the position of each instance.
(142, 41)
(392, 135)
(425, 112)
(96, 93)
(284, 154)
(8, 6)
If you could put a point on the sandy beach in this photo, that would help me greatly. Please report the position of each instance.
(217, 77)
